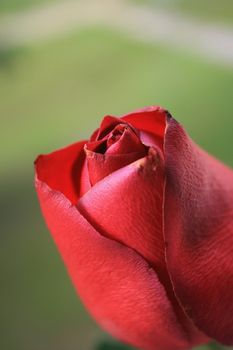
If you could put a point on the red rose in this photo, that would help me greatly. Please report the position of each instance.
(143, 220)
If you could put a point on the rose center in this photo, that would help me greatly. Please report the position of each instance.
(118, 147)
(116, 134)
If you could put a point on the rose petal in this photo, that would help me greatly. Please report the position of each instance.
(107, 125)
(118, 287)
(199, 233)
(116, 154)
(85, 184)
(62, 170)
(127, 143)
(127, 206)
(151, 122)
(114, 136)
(101, 165)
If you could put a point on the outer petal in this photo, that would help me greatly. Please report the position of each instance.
(119, 288)
(63, 170)
(127, 206)
(199, 233)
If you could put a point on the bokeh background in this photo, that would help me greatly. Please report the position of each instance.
(60, 73)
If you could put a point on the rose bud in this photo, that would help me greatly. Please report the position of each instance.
(143, 219)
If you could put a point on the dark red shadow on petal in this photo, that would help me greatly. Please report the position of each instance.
(61, 170)
(199, 233)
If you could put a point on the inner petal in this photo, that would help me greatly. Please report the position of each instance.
(122, 140)
(120, 147)
(116, 134)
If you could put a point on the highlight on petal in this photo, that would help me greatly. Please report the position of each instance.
(199, 234)
(116, 284)
(62, 170)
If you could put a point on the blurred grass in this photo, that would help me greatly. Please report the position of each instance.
(211, 10)
(112, 345)
(7, 6)
(207, 10)
(61, 89)
(53, 94)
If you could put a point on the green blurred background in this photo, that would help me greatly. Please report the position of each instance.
(55, 91)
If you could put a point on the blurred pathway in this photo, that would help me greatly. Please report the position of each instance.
(211, 41)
